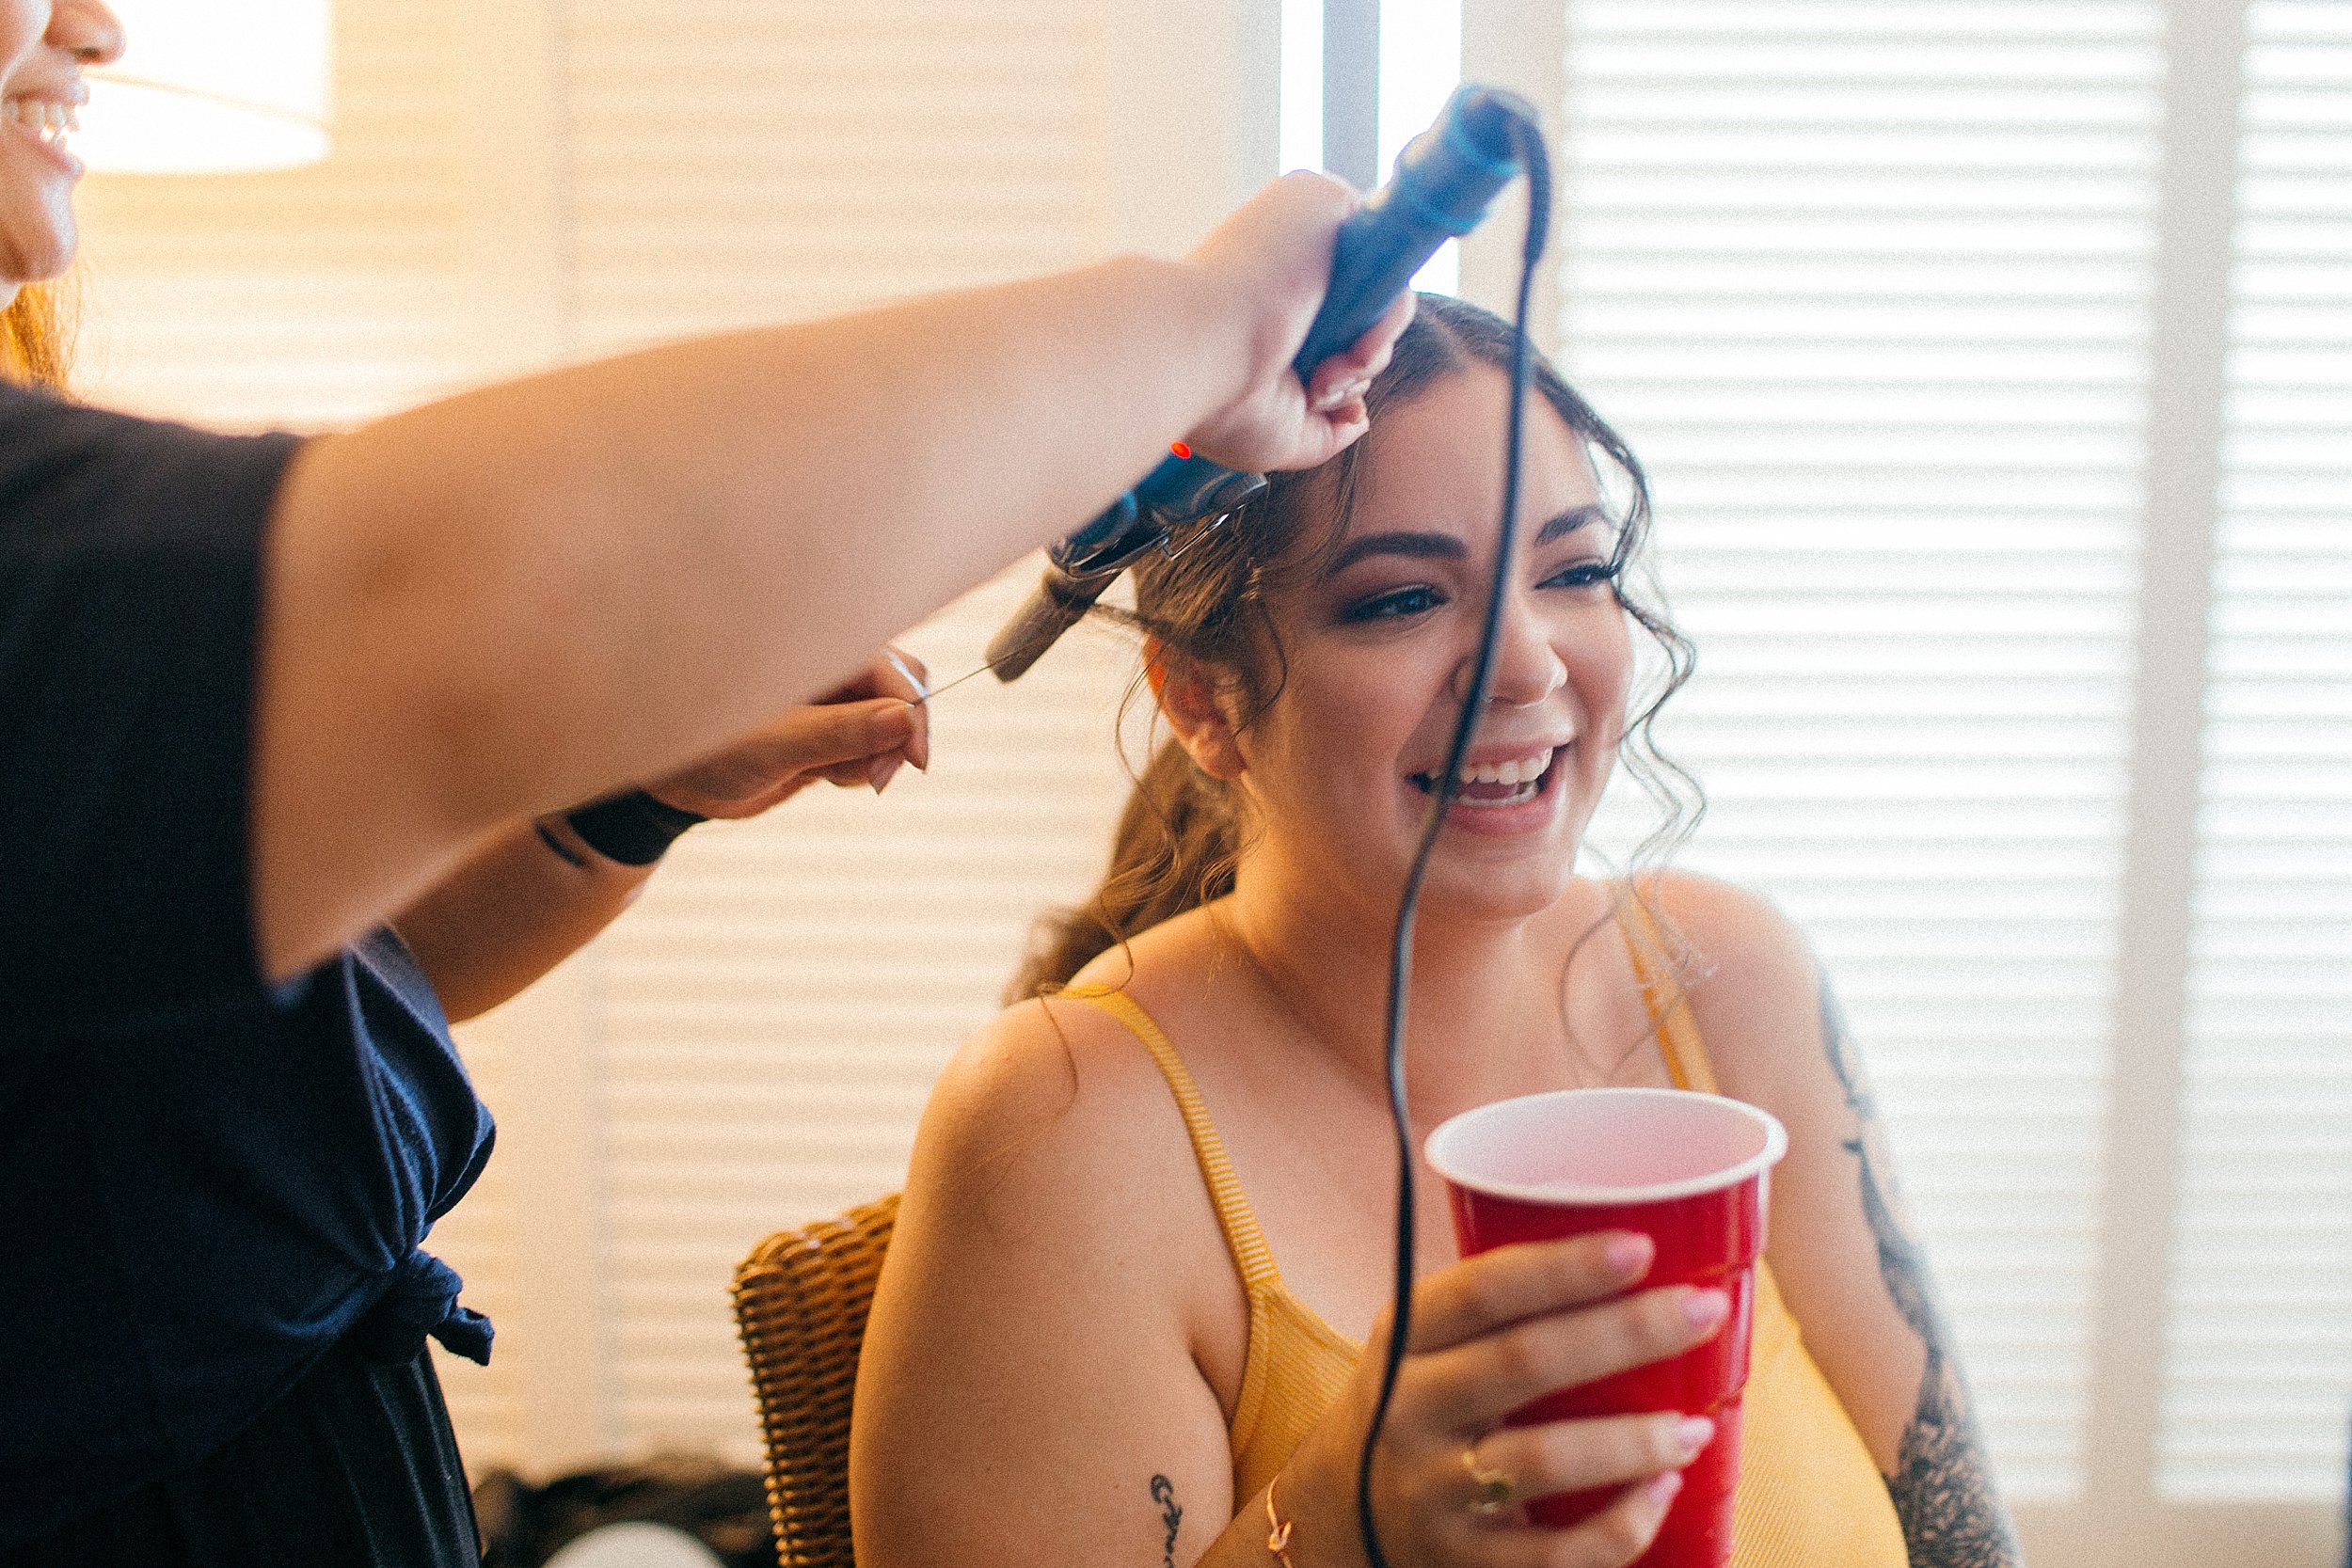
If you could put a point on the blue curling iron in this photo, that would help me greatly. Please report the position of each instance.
(1446, 179)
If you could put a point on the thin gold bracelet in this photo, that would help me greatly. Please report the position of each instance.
(1279, 1541)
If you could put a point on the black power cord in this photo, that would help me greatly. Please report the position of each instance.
(1527, 140)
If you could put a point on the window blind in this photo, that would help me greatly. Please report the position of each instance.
(309, 298)
(1865, 286)
(775, 1011)
(2258, 1384)
(733, 161)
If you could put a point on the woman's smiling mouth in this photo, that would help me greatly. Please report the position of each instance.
(1512, 782)
(46, 118)
(46, 122)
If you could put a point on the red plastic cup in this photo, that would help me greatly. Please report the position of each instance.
(1689, 1171)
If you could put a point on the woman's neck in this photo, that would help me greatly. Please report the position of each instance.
(1483, 999)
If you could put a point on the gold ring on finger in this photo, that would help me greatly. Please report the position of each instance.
(1495, 1489)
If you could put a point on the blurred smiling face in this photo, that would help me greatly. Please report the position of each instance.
(1377, 648)
(43, 48)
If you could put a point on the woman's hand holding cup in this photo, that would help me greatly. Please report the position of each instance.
(1490, 1335)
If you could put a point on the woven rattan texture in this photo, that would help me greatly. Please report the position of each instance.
(800, 1300)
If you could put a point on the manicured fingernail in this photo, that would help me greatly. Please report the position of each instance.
(880, 774)
(912, 679)
(1705, 1308)
(1661, 1489)
(1629, 1254)
(1694, 1432)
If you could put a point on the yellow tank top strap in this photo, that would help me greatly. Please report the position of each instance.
(1669, 1007)
(1250, 1253)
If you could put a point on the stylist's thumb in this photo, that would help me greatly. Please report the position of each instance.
(860, 741)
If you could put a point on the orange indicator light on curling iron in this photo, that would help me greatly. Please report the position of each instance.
(1180, 449)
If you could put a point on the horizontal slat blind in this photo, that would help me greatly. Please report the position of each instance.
(1865, 285)
(307, 298)
(774, 1010)
(777, 1006)
(2258, 1387)
(738, 161)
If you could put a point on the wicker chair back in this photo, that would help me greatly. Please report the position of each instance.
(800, 1301)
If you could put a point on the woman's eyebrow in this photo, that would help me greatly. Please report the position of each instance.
(1569, 522)
(1446, 546)
(1423, 547)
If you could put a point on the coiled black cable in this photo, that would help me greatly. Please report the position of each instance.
(1528, 140)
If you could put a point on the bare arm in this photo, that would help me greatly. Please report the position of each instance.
(530, 898)
(538, 892)
(519, 598)
(1031, 1389)
(1943, 1489)
(1841, 1245)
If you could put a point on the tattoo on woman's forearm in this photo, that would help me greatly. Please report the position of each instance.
(1164, 1494)
(1942, 1489)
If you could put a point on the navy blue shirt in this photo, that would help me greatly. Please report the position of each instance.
(205, 1182)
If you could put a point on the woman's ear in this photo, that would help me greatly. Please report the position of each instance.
(1198, 709)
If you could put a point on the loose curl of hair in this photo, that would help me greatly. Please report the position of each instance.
(35, 343)
(1182, 833)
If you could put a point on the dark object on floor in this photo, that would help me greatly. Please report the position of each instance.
(723, 1507)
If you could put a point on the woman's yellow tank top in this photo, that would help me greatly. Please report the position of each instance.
(1809, 1495)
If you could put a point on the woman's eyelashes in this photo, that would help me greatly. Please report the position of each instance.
(1393, 604)
(1409, 600)
(1590, 573)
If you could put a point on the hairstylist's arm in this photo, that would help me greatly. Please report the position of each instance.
(491, 606)
(538, 892)
(1034, 1383)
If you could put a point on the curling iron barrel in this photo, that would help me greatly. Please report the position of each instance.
(1445, 181)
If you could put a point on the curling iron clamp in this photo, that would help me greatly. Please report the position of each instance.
(1446, 178)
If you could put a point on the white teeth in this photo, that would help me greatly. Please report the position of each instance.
(1517, 770)
(50, 121)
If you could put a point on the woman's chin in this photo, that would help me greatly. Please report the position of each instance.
(1477, 889)
(38, 230)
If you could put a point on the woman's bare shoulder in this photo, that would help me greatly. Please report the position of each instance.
(1052, 1091)
(1750, 977)
(1041, 1311)
(1053, 1132)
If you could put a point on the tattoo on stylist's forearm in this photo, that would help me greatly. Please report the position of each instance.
(1164, 1494)
(1942, 1489)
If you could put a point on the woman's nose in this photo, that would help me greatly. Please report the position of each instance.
(1527, 668)
(86, 30)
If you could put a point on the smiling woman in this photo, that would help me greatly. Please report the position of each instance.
(1089, 1287)
(43, 49)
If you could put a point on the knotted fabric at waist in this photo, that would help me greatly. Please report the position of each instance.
(422, 1300)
